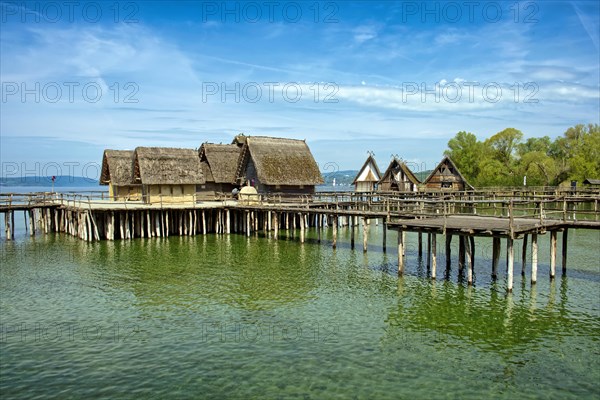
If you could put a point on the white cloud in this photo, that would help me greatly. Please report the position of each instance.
(364, 33)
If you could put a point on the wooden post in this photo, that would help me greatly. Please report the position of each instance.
(495, 256)
(352, 229)
(553, 235)
(433, 255)
(534, 258)
(248, 224)
(228, 222)
(564, 251)
(384, 234)
(318, 222)
(524, 255)
(7, 228)
(509, 243)
(365, 234)
(400, 253)
(302, 227)
(420, 236)
(469, 261)
(32, 222)
(461, 253)
(448, 250)
(276, 225)
(428, 250)
(335, 227)
(472, 240)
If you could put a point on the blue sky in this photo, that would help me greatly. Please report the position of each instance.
(348, 76)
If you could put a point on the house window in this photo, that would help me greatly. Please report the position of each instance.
(446, 185)
(277, 187)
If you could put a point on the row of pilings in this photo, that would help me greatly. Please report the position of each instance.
(93, 225)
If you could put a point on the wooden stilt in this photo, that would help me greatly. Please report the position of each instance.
(400, 253)
(524, 255)
(352, 229)
(384, 225)
(495, 257)
(509, 244)
(420, 237)
(461, 253)
(553, 235)
(428, 250)
(469, 261)
(302, 227)
(248, 222)
(276, 225)
(319, 221)
(365, 234)
(433, 255)
(335, 228)
(448, 251)
(534, 258)
(472, 241)
(565, 240)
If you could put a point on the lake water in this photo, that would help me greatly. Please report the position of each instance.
(235, 317)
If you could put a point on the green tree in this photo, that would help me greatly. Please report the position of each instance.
(577, 153)
(504, 144)
(465, 151)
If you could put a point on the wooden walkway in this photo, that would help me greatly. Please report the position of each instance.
(520, 215)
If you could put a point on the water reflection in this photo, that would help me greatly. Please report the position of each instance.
(488, 319)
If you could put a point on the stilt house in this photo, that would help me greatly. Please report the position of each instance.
(167, 175)
(398, 178)
(277, 165)
(117, 173)
(219, 165)
(447, 177)
(368, 176)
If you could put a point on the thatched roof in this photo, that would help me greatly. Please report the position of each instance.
(279, 161)
(239, 140)
(117, 167)
(167, 166)
(370, 176)
(448, 161)
(590, 181)
(393, 168)
(221, 160)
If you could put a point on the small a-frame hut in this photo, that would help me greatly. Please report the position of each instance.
(167, 175)
(592, 182)
(277, 165)
(447, 177)
(368, 176)
(219, 165)
(117, 173)
(398, 178)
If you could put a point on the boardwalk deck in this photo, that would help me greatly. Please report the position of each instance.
(94, 217)
(488, 226)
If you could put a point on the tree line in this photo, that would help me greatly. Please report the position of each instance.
(506, 158)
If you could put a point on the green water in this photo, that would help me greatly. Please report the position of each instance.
(242, 318)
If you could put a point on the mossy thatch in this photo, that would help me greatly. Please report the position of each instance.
(219, 162)
(117, 167)
(167, 166)
(279, 161)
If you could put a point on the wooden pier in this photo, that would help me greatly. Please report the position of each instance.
(508, 215)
